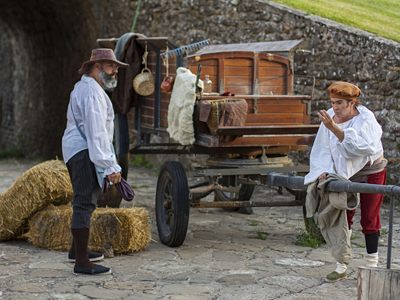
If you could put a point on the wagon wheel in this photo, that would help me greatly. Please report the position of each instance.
(172, 204)
(113, 198)
(245, 193)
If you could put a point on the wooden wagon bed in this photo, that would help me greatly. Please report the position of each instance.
(261, 73)
(239, 157)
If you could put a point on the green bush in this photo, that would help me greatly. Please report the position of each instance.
(311, 237)
(261, 235)
(310, 240)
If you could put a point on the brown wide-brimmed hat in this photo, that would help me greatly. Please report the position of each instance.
(101, 54)
(344, 90)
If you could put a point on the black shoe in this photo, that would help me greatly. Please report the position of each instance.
(97, 270)
(93, 256)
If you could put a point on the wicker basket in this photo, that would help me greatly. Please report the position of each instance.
(144, 83)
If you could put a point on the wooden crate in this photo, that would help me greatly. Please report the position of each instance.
(260, 73)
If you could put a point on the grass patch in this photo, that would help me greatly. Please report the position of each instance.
(354, 236)
(310, 240)
(253, 223)
(141, 161)
(384, 231)
(311, 237)
(261, 235)
(380, 17)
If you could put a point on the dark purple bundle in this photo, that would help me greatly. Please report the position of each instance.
(123, 188)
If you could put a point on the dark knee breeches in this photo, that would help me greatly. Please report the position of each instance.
(86, 189)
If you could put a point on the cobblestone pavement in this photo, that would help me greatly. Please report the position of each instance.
(221, 257)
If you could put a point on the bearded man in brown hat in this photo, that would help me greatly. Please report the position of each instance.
(348, 143)
(88, 151)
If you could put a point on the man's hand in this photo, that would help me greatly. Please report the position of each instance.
(326, 119)
(323, 176)
(330, 124)
(114, 177)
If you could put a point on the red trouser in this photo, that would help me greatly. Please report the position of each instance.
(370, 206)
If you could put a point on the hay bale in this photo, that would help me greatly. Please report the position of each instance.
(44, 184)
(112, 230)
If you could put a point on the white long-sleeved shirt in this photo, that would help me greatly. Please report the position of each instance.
(95, 115)
(361, 144)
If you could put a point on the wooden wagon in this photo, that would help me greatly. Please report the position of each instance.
(277, 122)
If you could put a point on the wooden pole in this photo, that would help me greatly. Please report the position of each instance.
(378, 284)
(136, 15)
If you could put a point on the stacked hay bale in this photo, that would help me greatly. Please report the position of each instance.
(112, 230)
(44, 184)
(36, 202)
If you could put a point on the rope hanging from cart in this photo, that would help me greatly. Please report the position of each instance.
(165, 61)
(144, 57)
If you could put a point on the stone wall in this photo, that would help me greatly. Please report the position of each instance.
(341, 53)
(7, 122)
(43, 44)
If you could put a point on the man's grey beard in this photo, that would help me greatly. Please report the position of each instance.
(107, 79)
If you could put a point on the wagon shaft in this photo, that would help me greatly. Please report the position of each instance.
(222, 204)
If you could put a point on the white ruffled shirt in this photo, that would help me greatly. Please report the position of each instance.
(361, 144)
(95, 115)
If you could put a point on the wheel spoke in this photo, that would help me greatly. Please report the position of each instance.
(168, 189)
(167, 194)
(231, 196)
(171, 210)
(168, 204)
(170, 217)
